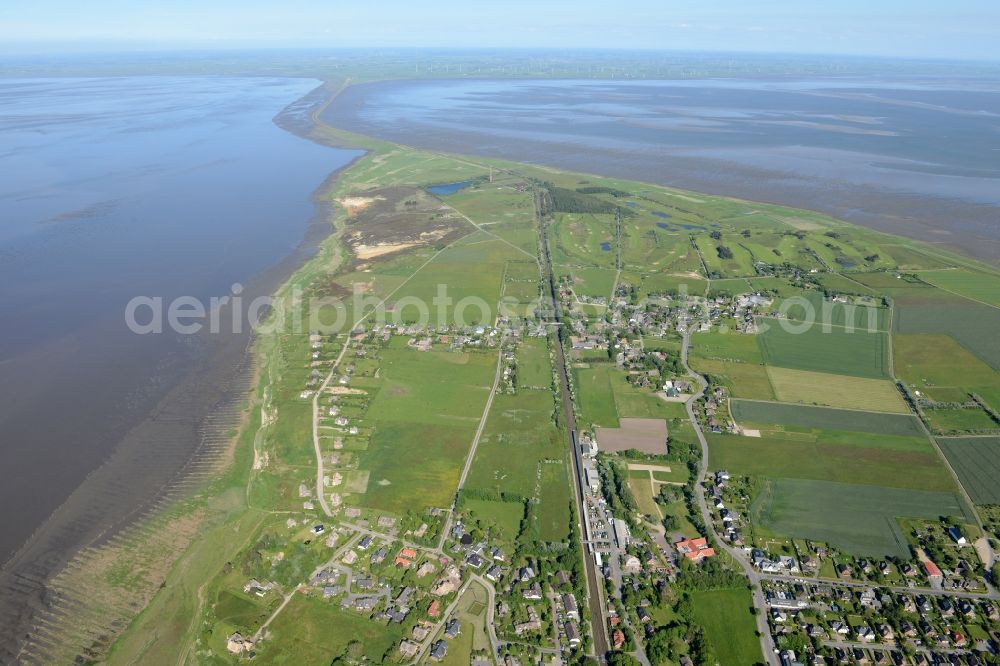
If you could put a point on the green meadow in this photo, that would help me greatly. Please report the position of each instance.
(859, 519)
(973, 325)
(534, 367)
(836, 350)
(727, 617)
(518, 437)
(976, 460)
(760, 413)
(594, 395)
(858, 458)
(976, 285)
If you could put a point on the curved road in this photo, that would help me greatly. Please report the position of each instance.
(766, 643)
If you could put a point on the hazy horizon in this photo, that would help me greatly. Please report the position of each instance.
(965, 30)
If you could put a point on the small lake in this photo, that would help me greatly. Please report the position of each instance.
(449, 188)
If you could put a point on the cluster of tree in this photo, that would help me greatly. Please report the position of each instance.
(723, 252)
(253, 558)
(596, 189)
(670, 364)
(617, 491)
(564, 200)
(709, 574)
(668, 643)
(353, 653)
(490, 495)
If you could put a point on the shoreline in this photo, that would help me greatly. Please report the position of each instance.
(227, 376)
(256, 351)
(909, 214)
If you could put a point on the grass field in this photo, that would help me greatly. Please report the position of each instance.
(470, 269)
(655, 284)
(836, 390)
(642, 491)
(860, 354)
(859, 519)
(726, 347)
(927, 359)
(960, 420)
(976, 285)
(595, 395)
(972, 324)
(503, 516)
(518, 436)
(425, 414)
(581, 239)
(534, 368)
(744, 380)
(814, 307)
(976, 460)
(990, 394)
(899, 462)
(632, 402)
(553, 513)
(729, 625)
(741, 263)
(433, 387)
(754, 412)
(593, 282)
(733, 360)
(412, 465)
(302, 633)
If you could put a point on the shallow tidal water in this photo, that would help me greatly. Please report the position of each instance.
(109, 189)
(913, 156)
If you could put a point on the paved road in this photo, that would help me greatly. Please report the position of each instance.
(766, 643)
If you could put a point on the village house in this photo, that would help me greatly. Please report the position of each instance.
(695, 550)
(533, 593)
(569, 603)
(238, 644)
(408, 649)
(439, 650)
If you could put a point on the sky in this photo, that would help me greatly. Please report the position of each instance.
(962, 29)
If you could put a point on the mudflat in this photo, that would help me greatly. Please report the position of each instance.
(866, 152)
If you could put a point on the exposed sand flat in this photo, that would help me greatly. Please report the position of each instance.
(344, 390)
(354, 205)
(371, 251)
(644, 467)
(983, 550)
(685, 197)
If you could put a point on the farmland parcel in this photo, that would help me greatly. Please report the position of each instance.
(861, 520)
